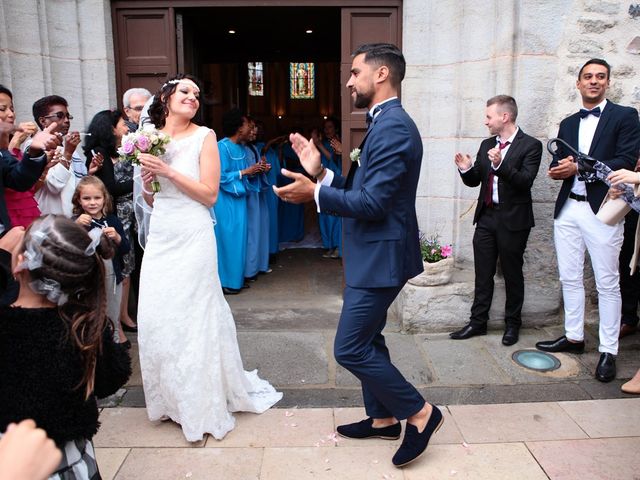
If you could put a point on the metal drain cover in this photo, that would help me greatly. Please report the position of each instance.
(536, 360)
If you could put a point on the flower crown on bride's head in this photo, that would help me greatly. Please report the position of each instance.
(188, 81)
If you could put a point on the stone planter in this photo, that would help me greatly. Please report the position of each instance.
(438, 273)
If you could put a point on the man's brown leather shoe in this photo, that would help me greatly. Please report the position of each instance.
(626, 329)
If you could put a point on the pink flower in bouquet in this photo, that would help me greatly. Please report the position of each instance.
(446, 251)
(128, 147)
(143, 143)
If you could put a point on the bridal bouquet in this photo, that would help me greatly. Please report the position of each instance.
(152, 142)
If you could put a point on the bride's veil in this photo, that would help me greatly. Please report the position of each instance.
(141, 208)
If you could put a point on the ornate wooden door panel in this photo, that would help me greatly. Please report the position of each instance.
(145, 47)
(361, 25)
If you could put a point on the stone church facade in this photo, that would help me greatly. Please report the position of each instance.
(459, 53)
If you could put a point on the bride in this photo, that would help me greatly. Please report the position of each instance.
(191, 366)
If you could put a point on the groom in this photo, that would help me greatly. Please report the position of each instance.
(381, 250)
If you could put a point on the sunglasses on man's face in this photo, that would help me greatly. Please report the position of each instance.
(59, 116)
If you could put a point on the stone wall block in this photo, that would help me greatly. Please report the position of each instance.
(533, 76)
(590, 25)
(544, 188)
(634, 46)
(429, 95)
(540, 28)
(438, 174)
(625, 70)
(478, 82)
(585, 47)
(607, 8)
(417, 19)
(62, 29)
(25, 83)
(436, 217)
(478, 36)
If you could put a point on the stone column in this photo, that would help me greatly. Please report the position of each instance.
(63, 48)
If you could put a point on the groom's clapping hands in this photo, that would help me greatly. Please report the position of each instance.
(302, 189)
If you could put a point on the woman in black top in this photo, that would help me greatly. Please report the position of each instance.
(107, 129)
(56, 350)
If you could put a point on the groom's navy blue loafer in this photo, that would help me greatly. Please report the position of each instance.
(415, 443)
(365, 429)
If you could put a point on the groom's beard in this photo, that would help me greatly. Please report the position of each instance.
(362, 100)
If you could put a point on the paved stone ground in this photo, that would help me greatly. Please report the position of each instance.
(593, 439)
(501, 421)
(286, 325)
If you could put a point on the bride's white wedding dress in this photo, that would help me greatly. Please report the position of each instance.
(191, 366)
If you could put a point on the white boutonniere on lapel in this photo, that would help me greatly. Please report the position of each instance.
(355, 155)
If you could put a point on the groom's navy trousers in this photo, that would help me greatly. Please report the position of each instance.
(360, 348)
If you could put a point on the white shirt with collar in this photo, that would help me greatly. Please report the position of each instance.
(586, 131)
(503, 153)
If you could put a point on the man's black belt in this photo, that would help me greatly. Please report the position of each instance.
(579, 198)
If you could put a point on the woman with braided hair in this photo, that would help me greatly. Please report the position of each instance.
(56, 349)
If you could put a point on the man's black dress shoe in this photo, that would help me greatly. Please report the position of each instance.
(561, 344)
(511, 335)
(230, 291)
(468, 331)
(415, 443)
(606, 369)
(364, 429)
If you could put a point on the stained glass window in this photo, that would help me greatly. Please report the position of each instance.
(302, 80)
(256, 83)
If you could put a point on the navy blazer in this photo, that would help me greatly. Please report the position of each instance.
(516, 174)
(378, 202)
(17, 175)
(616, 143)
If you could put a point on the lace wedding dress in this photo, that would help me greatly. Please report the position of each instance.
(191, 366)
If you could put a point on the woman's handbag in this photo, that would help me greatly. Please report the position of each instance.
(612, 211)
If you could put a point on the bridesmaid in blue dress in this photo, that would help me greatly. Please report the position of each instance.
(257, 257)
(290, 215)
(270, 154)
(231, 208)
(331, 157)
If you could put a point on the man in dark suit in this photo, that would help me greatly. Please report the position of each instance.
(506, 166)
(381, 249)
(609, 133)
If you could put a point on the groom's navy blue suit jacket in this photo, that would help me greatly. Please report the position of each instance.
(615, 143)
(378, 202)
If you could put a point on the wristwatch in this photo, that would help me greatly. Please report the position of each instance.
(320, 172)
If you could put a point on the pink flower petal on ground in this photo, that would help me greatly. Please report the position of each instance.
(375, 462)
(465, 444)
(333, 437)
(453, 472)
(288, 414)
(294, 424)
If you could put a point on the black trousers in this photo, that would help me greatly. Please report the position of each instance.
(629, 284)
(492, 241)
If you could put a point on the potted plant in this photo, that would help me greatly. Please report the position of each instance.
(437, 260)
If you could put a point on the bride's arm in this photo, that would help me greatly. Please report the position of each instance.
(205, 190)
